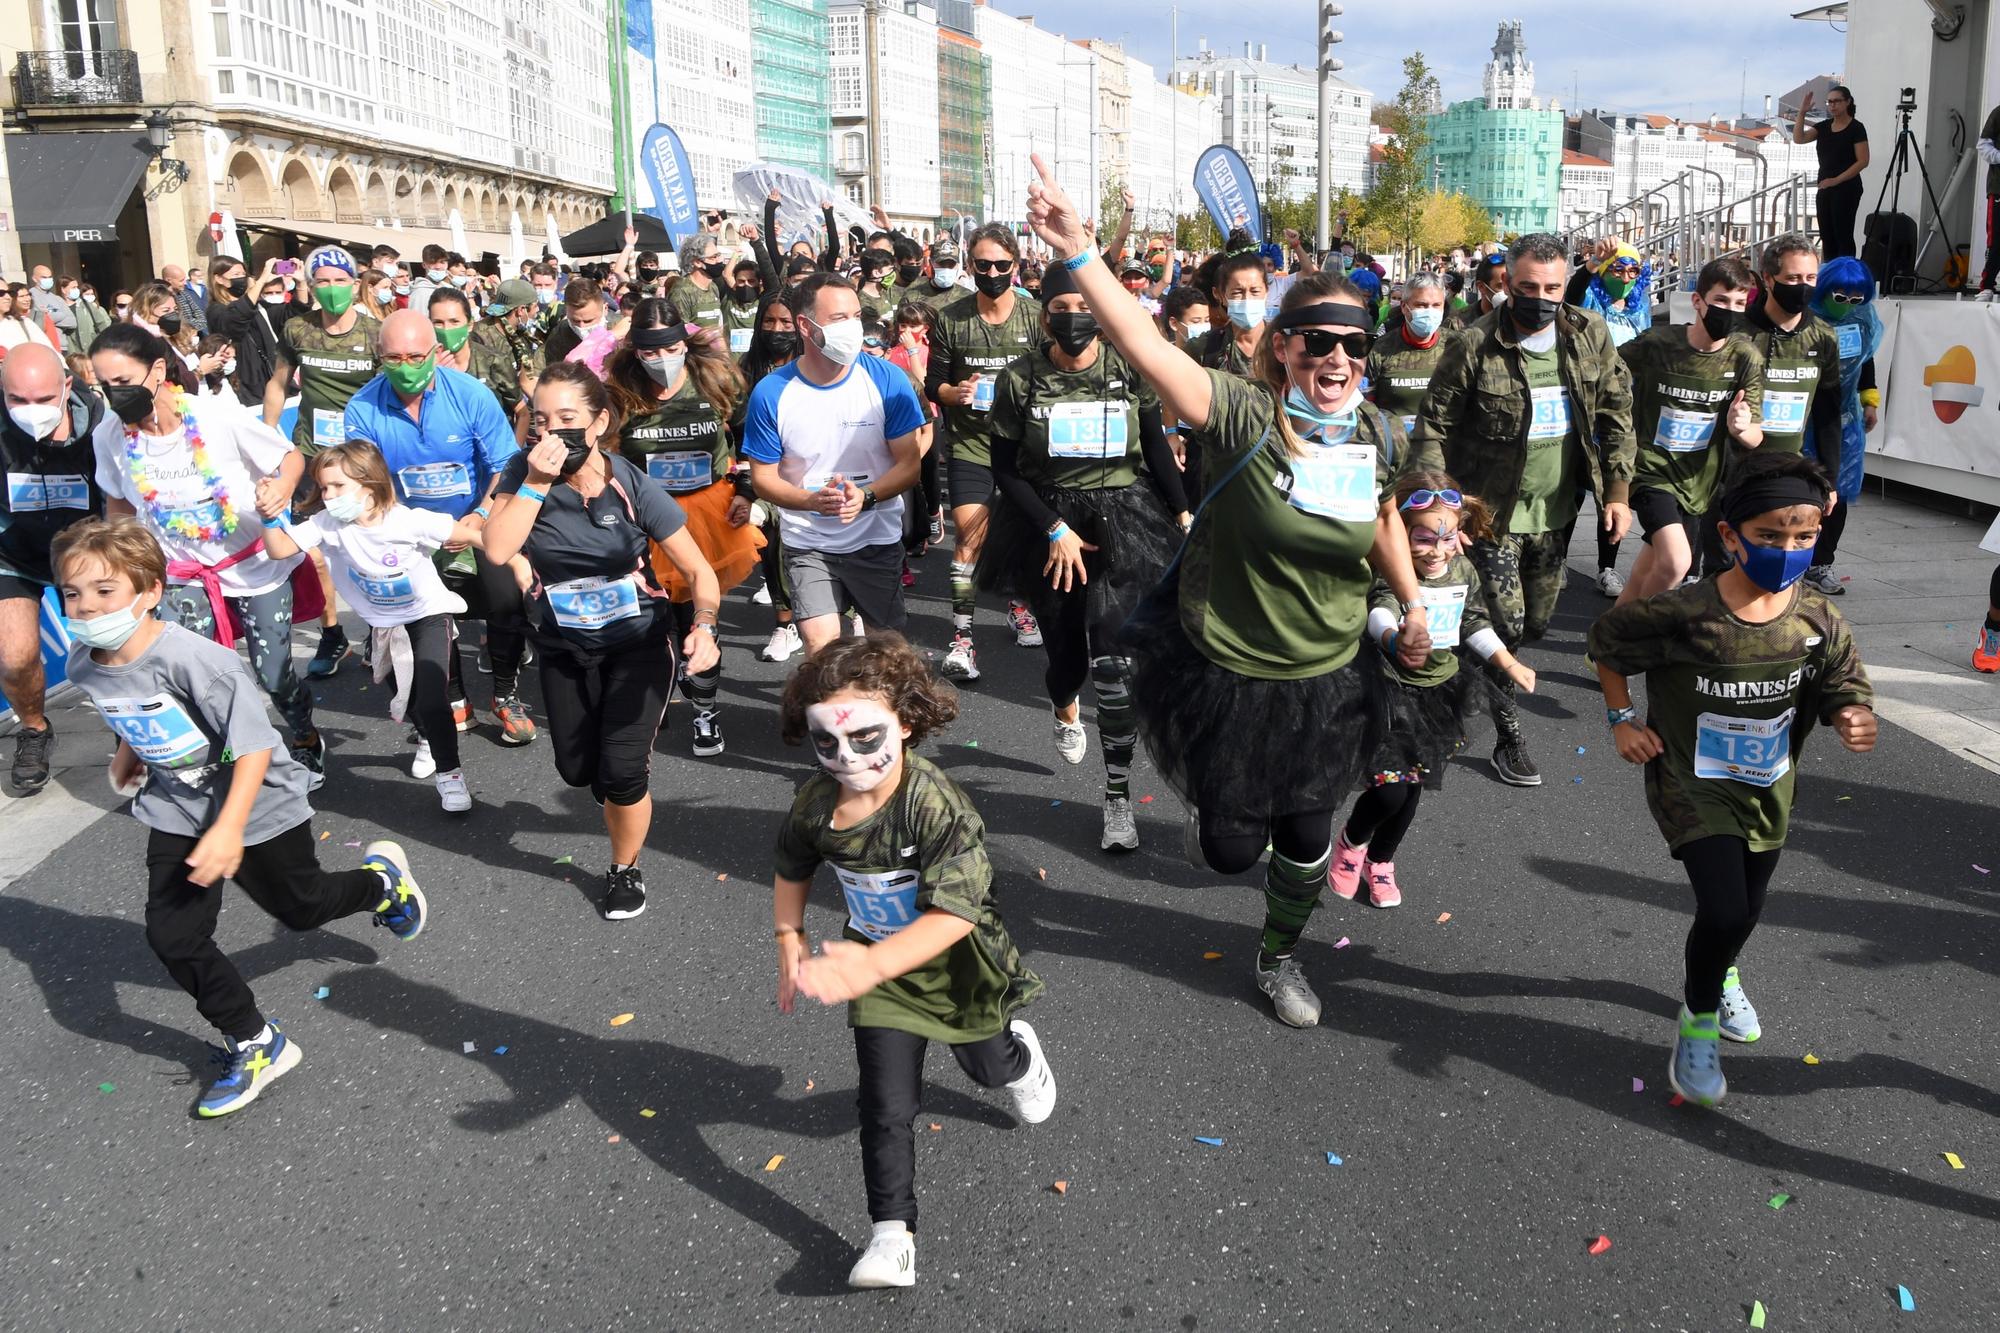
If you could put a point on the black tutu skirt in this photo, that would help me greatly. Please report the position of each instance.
(1427, 725)
(1245, 749)
(1134, 535)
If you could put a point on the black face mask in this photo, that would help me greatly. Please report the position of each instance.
(648, 274)
(874, 272)
(1791, 296)
(1073, 330)
(132, 402)
(170, 324)
(782, 344)
(1532, 314)
(239, 286)
(713, 272)
(1719, 323)
(908, 274)
(992, 284)
(579, 452)
(745, 293)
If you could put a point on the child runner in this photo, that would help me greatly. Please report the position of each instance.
(223, 798)
(924, 955)
(379, 552)
(1432, 704)
(1738, 670)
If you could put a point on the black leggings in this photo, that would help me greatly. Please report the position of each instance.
(1232, 846)
(1382, 816)
(700, 690)
(1830, 529)
(917, 516)
(892, 1078)
(604, 717)
(496, 597)
(435, 647)
(772, 558)
(1729, 882)
(1837, 209)
(1993, 593)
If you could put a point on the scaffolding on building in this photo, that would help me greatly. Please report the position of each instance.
(788, 45)
(964, 81)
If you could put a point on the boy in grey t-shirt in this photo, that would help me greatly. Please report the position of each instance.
(223, 798)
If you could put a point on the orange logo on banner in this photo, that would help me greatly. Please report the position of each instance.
(1952, 384)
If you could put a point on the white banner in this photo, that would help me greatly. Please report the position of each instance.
(1941, 396)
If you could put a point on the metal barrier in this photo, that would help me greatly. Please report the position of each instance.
(1675, 221)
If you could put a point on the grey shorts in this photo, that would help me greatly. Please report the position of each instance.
(869, 580)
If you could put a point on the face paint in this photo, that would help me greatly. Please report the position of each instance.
(856, 740)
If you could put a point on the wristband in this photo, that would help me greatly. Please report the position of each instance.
(1619, 716)
(783, 931)
(1079, 259)
(530, 493)
(284, 519)
(1058, 532)
(481, 511)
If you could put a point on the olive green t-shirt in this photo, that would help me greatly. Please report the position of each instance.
(680, 444)
(1795, 365)
(1732, 703)
(695, 306)
(332, 369)
(1217, 350)
(1078, 429)
(1455, 610)
(969, 345)
(1680, 408)
(1399, 374)
(1547, 502)
(1274, 579)
(925, 850)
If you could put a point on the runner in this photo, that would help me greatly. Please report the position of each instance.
(1235, 285)
(1621, 290)
(924, 955)
(910, 347)
(1405, 356)
(1245, 682)
(947, 282)
(582, 516)
(1074, 531)
(697, 297)
(1845, 298)
(775, 344)
(510, 331)
(1801, 363)
(1738, 670)
(450, 314)
(977, 337)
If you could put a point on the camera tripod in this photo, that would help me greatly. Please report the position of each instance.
(1892, 189)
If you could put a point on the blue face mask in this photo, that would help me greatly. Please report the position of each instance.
(1246, 312)
(1424, 321)
(1328, 428)
(1772, 568)
(108, 631)
(345, 508)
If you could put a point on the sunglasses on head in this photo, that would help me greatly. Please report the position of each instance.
(1424, 499)
(993, 266)
(1321, 342)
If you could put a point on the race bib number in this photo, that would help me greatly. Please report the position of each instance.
(1784, 413)
(1743, 749)
(158, 729)
(329, 428)
(1850, 340)
(879, 905)
(593, 603)
(1336, 482)
(1683, 432)
(1551, 413)
(982, 395)
(36, 493)
(681, 472)
(1444, 614)
(436, 481)
(393, 592)
(739, 340)
(1088, 430)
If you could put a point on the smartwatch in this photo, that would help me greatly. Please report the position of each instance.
(867, 498)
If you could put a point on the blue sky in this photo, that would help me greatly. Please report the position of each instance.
(1684, 58)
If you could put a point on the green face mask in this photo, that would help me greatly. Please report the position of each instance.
(411, 380)
(1617, 288)
(335, 297)
(453, 339)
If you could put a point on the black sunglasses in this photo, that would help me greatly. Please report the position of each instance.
(993, 266)
(1321, 342)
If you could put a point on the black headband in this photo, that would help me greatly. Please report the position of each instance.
(1325, 312)
(1765, 494)
(667, 335)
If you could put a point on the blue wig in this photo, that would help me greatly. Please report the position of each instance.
(1846, 275)
(1366, 283)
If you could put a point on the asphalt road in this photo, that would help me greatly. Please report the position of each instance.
(1475, 1077)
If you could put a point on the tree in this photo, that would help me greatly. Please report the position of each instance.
(1447, 220)
(1402, 181)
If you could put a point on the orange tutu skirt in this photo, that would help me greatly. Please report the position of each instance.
(730, 552)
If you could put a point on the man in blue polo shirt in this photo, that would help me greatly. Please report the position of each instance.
(447, 441)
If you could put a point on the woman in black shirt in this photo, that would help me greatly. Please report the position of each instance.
(1842, 143)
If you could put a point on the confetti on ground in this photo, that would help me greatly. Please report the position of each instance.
(1952, 1158)
(1811, 1059)
(1903, 1297)
(324, 836)
(1054, 804)
(1581, 749)
(1600, 1245)
(1838, 799)
(1779, 1201)
(809, 1085)
(1443, 917)
(1342, 942)
(565, 860)
(1756, 1314)
(1577, 781)
(1204, 1139)
(1677, 1100)
(355, 843)
(1060, 1187)
(499, 1050)
(972, 745)
(107, 1087)
(1333, 1159)
(722, 879)
(1638, 1085)
(648, 1112)
(322, 992)
(936, 1127)
(1982, 870)
(772, 1165)
(622, 1020)
(1211, 955)
(612, 1139)
(1145, 800)
(471, 1046)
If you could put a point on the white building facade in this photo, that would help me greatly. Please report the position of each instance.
(1270, 114)
(1044, 100)
(1586, 190)
(903, 175)
(699, 83)
(1646, 152)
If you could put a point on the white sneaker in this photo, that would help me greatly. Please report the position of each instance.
(960, 661)
(784, 642)
(855, 627)
(453, 794)
(1072, 740)
(1120, 829)
(421, 763)
(1610, 582)
(1291, 998)
(1034, 1092)
(889, 1261)
(763, 595)
(1027, 632)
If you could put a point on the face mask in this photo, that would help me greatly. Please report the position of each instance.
(453, 339)
(408, 380)
(944, 277)
(907, 274)
(37, 420)
(1719, 323)
(1194, 331)
(857, 742)
(841, 342)
(579, 450)
(229, 367)
(1837, 312)
(713, 272)
(275, 298)
(46, 284)
(1791, 296)
(335, 298)
(666, 368)
(1073, 330)
(1246, 312)
(648, 274)
(108, 631)
(1424, 321)
(1772, 568)
(581, 330)
(746, 293)
(345, 508)
(1532, 314)
(1332, 427)
(132, 402)
(170, 325)
(783, 344)
(545, 296)
(1156, 271)
(385, 294)
(436, 274)
(70, 295)
(992, 284)
(1618, 288)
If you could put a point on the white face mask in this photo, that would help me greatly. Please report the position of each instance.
(345, 508)
(1196, 331)
(840, 341)
(229, 367)
(108, 631)
(945, 277)
(857, 741)
(38, 420)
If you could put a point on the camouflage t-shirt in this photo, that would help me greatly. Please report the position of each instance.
(332, 369)
(1398, 375)
(1077, 428)
(1680, 408)
(1455, 610)
(680, 444)
(1217, 350)
(925, 850)
(695, 306)
(1732, 703)
(964, 345)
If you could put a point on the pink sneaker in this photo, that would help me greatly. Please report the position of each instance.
(1343, 872)
(1382, 890)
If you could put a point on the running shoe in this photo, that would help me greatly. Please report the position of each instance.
(453, 794)
(1034, 1093)
(1343, 870)
(854, 625)
(707, 733)
(1382, 890)
(909, 575)
(762, 596)
(960, 661)
(1291, 998)
(1610, 582)
(1695, 1068)
(1191, 840)
(889, 1261)
(937, 527)
(624, 894)
(31, 758)
(311, 755)
(1121, 831)
(333, 650)
(249, 1067)
(1737, 1019)
(1986, 650)
(516, 727)
(1513, 766)
(784, 642)
(1026, 632)
(1821, 578)
(1072, 740)
(422, 764)
(484, 662)
(403, 909)
(461, 715)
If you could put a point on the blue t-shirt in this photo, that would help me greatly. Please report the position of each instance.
(444, 460)
(816, 431)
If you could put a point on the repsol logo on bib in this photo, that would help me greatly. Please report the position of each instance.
(1749, 689)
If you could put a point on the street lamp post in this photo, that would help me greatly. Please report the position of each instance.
(1329, 66)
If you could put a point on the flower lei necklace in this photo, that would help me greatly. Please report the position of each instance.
(181, 522)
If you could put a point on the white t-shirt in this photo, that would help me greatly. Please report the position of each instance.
(240, 449)
(385, 571)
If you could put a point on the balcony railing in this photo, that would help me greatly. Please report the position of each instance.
(76, 78)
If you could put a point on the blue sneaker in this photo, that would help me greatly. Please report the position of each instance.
(333, 650)
(402, 909)
(250, 1068)
(1695, 1069)
(1737, 1019)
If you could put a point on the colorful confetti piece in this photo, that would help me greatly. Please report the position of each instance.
(1838, 799)
(1145, 800)
(1677, 1100)
(612, 1139)
(936, 1127)
(1756, 1314)
(470, 1047)
(1982, 870)
(972, 745)
(622, 1020)
(355, 843)
(1210, 1142)
(565, 860)
(322, 992)
(809, 1085)
(772, 1165)
(1956, 1164)
(1443, 917)
(1211, 955)
(1779, 1201)
(1638, 1085)
(324, 836)
(1054, 804)
(1600, 1245)
(648, 1112)
(1903, 1297)
(722, 879)
(1333, 1159)
(1060, 1187)
(1581, 749)
(1041, 872)
(499, 1050)
(107, 1087)
(1811, 1059)
(1342, 942)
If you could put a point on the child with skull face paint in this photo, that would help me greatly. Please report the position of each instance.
(924, 955)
